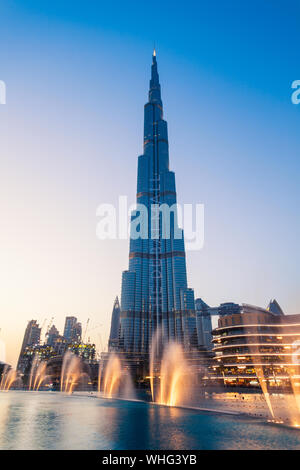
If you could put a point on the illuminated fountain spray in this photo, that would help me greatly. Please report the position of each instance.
(263, 384)
(9, 378)
(38, 374)
(154, 361)
(287, 410)
(174, 376)
(256, 358)
(33, 368)
(293, 371)
(72, 373)
(112, 378)
(116, 381)
(175, 384)
(100, 372)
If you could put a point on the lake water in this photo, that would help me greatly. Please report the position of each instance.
(50, 420)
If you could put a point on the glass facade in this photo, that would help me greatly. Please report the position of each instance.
(203, 322)
(154, 289)
(113, 341)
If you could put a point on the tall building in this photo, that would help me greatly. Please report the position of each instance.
(32, 337)
(52, 335)
(203, 322)
(113, 341)
(154, 289)
(72, 330)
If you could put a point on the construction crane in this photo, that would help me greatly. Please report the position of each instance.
(49, 326)
(92, 329)
(101, 342)
(42, 327)
(85, 332)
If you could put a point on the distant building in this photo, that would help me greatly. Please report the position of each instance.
(113, 341)
(86, 351)
(32, 337)
(204, 325)
(228, 308)
(204, 313)
(72, 330)
(274, 307)
(60, 345)
(52, 335)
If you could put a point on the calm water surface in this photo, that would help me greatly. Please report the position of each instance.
(45, 420)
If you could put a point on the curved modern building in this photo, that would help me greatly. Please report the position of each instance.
(257, 345)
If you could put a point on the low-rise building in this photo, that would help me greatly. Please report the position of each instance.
(257, 346)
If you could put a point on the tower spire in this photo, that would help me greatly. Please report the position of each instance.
(154, 91)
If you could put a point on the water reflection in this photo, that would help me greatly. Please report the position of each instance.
(177, 436)
(49, 420)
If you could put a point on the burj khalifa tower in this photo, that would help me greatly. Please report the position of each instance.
(154, 293)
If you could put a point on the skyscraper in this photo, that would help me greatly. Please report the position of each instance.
(204, 325)
(52, 335)
(154, 293)
(72, 329)
(113, 341)
(32, 337)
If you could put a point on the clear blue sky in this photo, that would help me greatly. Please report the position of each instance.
(77, 75)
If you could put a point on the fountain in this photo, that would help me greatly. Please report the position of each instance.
(112, 378)
(174, 384)
(72, 373)
(254, 350)
(175, 377)
(38, 374)
(99, 375)
(259, 371)
(154, 360)
(9, 378)
(116, 381)
(263, 385)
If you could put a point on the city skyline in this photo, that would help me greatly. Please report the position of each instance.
(234, 142)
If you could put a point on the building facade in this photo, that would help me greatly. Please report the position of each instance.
(72, 330)
(113, 342)
(257, 346)
(155, 294)
(52, 335)
(203, 323)
(31, 338)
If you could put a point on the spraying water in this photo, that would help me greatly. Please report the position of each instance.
(72, 373)
(114, 379)
(154, 360)
(175, 376)
(9, 378)
(38, 374)
(171, 378)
